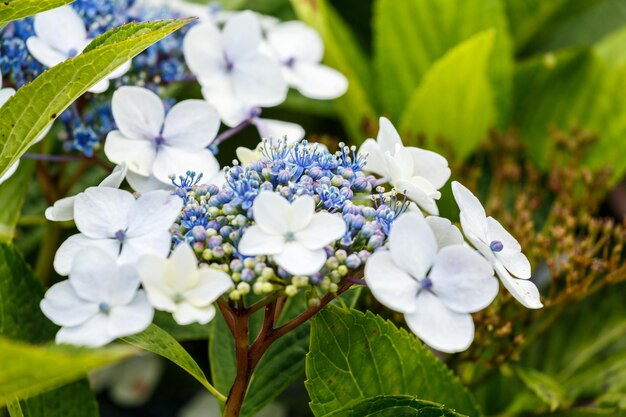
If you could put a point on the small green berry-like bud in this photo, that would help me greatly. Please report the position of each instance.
(249, 263)
(234, 295)
(342, 270)
(257, 288)
(314, 302)
(267, 273)
(207, 255)
(243, 288)
(333, 288)
(236, 276)
(291, 290)
(332, 263)
(341, 255)
(267, 287)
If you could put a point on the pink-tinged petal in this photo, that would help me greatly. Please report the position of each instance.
(258, 81)
(138, 113)
(153, 212)
(132, 318)
(138, 155)
(64, 307)
(255, 241)
(296, 40)
(523, 290)
(100, 212)
(67, 251)
(390, 285)
(241, 36)
(175, 161)
(412, 244)
(61, 28)
(439, 327)
(203, 49)
(445, 232)
(323, 229)
(276, 129)
(462, 279)
(473, 217)
(388, 138)
(271, 213)
(191, 124)
(186, 314)
(91, 333)
(298, 260)
(318, 81)
(431, 166)
(212, 283)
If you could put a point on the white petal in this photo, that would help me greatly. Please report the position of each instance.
(296, 40)
(439, 327)
(203, 49)
(431, 166)
(185, 265)
(156, 274)
(157, 243)
(445, 232)
(241, 36)
(94, 275)
(67, 251)
(376, 161)
(92, 333)
(473, 217)
(131, 318)
(390, 285)
(61, 28)
(153, 212)
(186, 314)
(463, 280)
(212, 283)
(61, 210)
(246, 156)
(115, 178)
(191, 124)
(44, 53)
(255, 241)
(231, 109)
(100, 212)
(511, 255)
(412, 244)
(5, 94)
(64, 307)
(277, 129)
(12, 169)
(300, 213)
(318, 81)
(120, 71)
(175, 161)
(271, 213)
(138, 113)
(388, 138)
(259, 81)
(416, 189)
(137, 154)
(400, 163)
(298, 260)
(100, 87)
(323, 229)
(524, 291)
(145, 184)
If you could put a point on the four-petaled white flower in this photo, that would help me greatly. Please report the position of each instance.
(228, 62)
(294, 234)
(177, 285)
(60, 35)
(498, 246)
(299, 50)
(121, 225)
(436, 290)
(416, 172)
(63, 210)
(155, 146)
(100, 301)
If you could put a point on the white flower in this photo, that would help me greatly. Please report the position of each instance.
(99, 302)
(229, 62)
(497, 245)
(436, 290)
(63, 209)
(177, 285)
(154, 146)
(446, 233)
(299, 50)
(60, 35)
(123, 226)
(294, 234)
(416, 172)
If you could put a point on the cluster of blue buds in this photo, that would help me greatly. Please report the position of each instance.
(214, 218)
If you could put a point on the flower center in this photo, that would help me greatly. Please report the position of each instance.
(104, 308)
(290, 236)
(120, 235)
(289, 63)
(496, 246)
(178, 298)
(426, 283)
(72, 53)
(159, 140)
(228, 64)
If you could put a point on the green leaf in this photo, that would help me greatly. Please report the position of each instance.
(12, 194)
(26, 114)
(445, 94)
(28, 370)
(157, 340)
(17, 9)
(355, 356)
(393, 406)
(193, 331)
(73, 400)
(544, 386)
(357, 107)
(411, 35)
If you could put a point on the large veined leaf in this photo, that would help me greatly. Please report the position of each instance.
(411, 35)
(355, 356)
(12, 194)
(34, 106)
(29, 370)
(72, 400)
(394, 406)
(456, 87)
(357, 107)
(17, 9)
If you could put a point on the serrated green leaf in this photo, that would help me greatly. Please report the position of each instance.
(394, 406)
(357, 107)
(17, 9)
(29, 370)
(12, 194)
(72, 400)
(27, 113)
(355, 356)
(411, 35)
(445, 94)
(194, 331)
